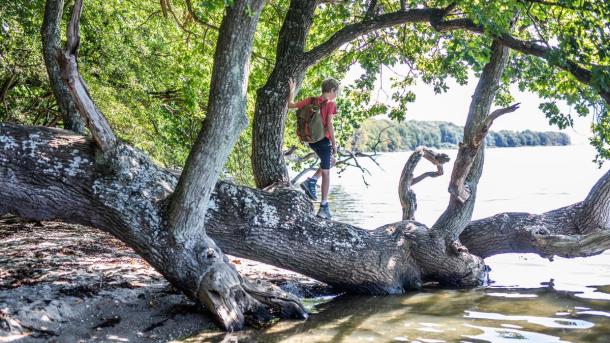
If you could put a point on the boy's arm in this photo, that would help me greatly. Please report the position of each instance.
(331, 131)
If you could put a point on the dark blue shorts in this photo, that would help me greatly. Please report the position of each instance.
(323, 149)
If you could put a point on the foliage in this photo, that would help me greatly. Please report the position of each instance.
(148, 64)
(385, 135)
(26, 97)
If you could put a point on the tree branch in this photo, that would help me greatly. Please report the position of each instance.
(8, 83)
(51, 48)
(225, 119)
(483, 128)
(595, 213)
(349, 32)
(581, 229)
(478, 117)
(530, 48)
(97, 124)
(559, 4)
(408, 199)
(370, 11)
(189, 6)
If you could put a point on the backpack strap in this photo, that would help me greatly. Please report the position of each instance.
(315, 101)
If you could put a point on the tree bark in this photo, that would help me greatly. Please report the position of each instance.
(52, 174)
(169, 233)
(7, 84)
(270, 112)
(408, 198)
(216, 282)
(76, 86)
(51, 47)
(48, 174)
(468, 164)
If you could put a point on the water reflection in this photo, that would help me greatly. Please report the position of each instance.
(445, 316)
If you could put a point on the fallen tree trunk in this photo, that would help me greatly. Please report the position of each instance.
(570, 231)
(50, 174)
(118, 189)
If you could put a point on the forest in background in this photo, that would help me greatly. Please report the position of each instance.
(384, 135)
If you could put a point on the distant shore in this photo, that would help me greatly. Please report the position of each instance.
(383, 135)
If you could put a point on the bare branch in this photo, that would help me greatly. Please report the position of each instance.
(73, 32)
(8, 83)
(97, 124)
(379, 138)
(497, 113)
(349, 156)
(408, 199)
(169, 8)
(483, 128)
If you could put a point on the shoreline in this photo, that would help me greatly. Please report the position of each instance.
(63, 282)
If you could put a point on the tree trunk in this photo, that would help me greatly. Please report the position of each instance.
(169, 233)
(271, 108)
(581, 229)
(51, 174)
(51, 48)
(408, 199)
(214, 280)
(468, 165)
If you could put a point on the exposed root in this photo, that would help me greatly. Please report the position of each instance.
(235, 301)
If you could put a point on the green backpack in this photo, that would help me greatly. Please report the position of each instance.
(310, 128)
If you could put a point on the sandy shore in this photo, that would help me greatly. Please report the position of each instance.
(70, 283)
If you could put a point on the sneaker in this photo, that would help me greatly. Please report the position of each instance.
(309, 187)
(324, 212)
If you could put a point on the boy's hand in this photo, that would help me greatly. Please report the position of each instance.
(292, 86)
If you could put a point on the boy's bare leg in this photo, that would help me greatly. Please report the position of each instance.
(318, 174)
(325, 183)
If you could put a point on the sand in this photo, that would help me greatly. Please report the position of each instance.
(70, 283)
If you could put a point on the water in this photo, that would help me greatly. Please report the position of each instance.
(530, 300)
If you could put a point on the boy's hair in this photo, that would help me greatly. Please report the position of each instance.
(330, 84)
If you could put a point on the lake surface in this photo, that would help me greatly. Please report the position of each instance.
(530, 299)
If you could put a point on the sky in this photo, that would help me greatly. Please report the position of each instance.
(452, 106)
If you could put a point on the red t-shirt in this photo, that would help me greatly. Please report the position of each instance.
(327, 110)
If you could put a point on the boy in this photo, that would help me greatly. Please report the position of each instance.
(327, 147)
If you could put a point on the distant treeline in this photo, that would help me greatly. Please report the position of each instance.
(411, 134)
